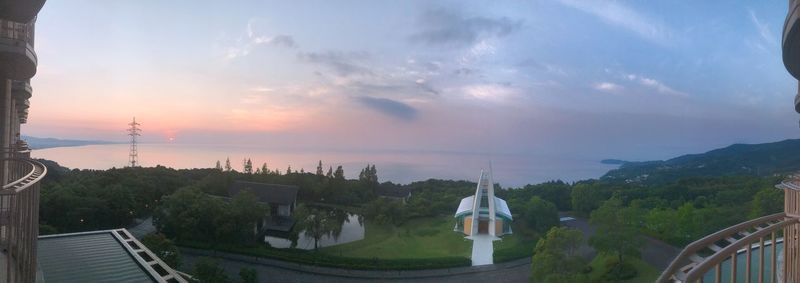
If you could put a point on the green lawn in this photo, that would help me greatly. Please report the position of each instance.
(417, 238)
(647, 273)
(517, 245)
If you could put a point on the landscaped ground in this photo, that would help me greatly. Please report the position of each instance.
(647, 273)
(417, 238)
(428, 238)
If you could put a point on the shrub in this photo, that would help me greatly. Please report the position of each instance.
(321, 259)
(615, 270)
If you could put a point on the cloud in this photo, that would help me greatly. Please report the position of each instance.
(654, 84)
(480, 49)
(253, 39)
(278, 40)
(443, 27)
(763, 30)
(389, 107)
(342, 63)
(615, 13)
(607, 86)
(261, 89)
(489, 92)
(252, 99)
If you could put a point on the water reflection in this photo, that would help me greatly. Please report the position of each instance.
(350, 228)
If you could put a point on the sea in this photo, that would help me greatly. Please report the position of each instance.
(509, 170)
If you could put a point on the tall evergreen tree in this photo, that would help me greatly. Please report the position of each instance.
(248, 166)
(319, 169)
(373, 175)
(228, 167)
(264, 169)
(330, 172)
(339, 174)
(218, 166)
(289, 169)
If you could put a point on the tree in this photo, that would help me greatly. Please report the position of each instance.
(248, 275)
(208, 270)
(317, 223)
(218, 166)
(585, 198)
(766, 201)
(264, 169)
(384, 211)
(555, 257)
(617, 231)
(163, 248)
(330, 172)
(369, 177)
(540, 214)
(339, 174)
(289, 169)
(319, 168)
(228, 167)
(246, 212)
(247, 166)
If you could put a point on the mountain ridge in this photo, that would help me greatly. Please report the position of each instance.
(764, 159)
(42, 143)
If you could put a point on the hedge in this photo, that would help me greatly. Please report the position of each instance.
(517, 252)
(321, 259)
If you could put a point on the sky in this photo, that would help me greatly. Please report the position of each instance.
(634, 80)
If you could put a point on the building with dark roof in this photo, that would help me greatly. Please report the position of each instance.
(100, 256)
(282, 200)
(393, 192)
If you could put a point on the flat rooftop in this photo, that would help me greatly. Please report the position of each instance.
(100, 256)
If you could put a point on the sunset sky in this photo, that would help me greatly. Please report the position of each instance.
(624, 79)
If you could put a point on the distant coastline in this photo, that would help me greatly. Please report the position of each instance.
(613, 161)
(42, 143)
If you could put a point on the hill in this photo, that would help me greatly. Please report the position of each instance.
(739, 159)
(41, 143)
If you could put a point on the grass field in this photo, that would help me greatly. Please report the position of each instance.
(647, 273)
(417, 238)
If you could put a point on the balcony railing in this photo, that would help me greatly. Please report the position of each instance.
(16, 50)
(19, 219)
(18, 31)
(758, 237)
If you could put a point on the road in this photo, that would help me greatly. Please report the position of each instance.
(519, 271)
(655, 252)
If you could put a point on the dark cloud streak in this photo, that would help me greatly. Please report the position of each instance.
(342, 63)
(442, 27)
(389, 107)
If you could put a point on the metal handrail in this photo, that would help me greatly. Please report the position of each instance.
(700, 265)
(19, 228)
(27, 177)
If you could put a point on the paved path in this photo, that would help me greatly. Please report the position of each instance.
(278, 271)
(655, 252)
(482, 249)
(143, 228)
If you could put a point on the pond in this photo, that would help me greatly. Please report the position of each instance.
(349, 227)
